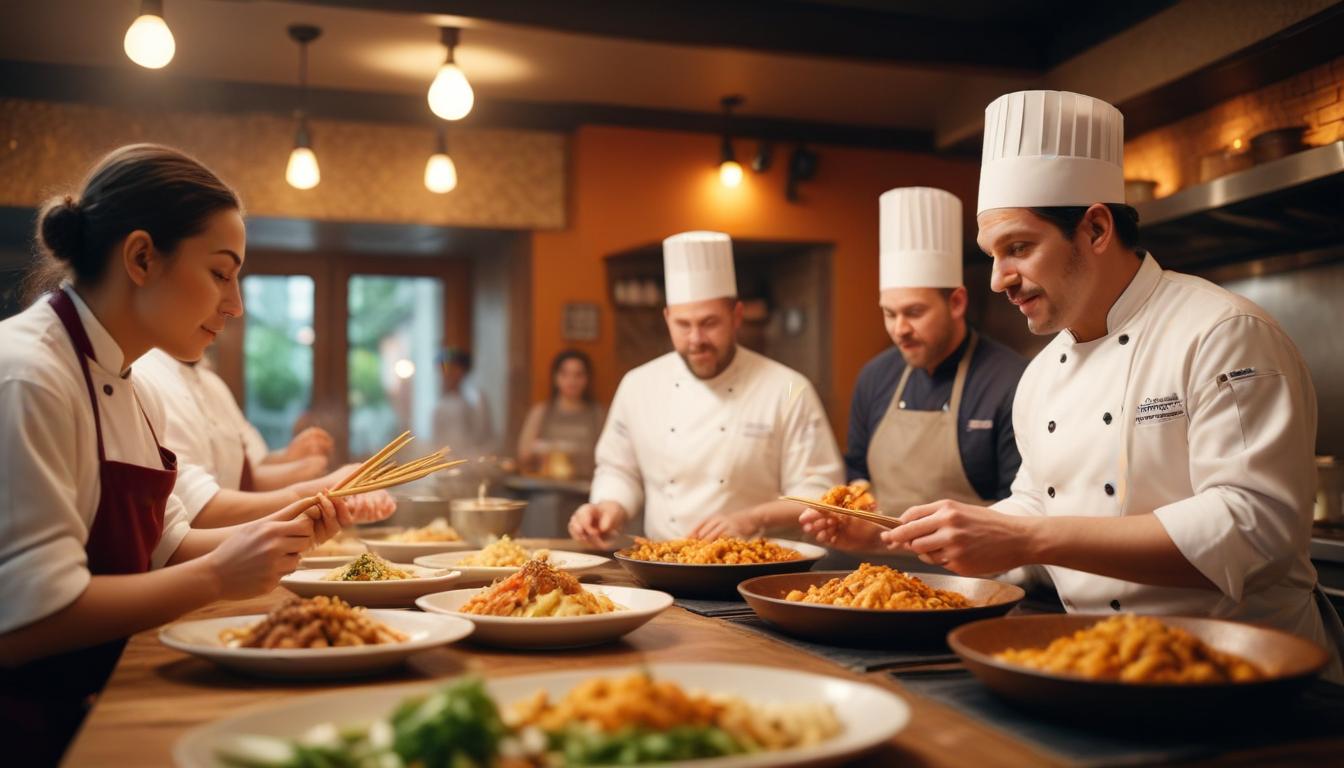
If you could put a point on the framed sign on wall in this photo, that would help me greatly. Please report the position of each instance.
(581, 321)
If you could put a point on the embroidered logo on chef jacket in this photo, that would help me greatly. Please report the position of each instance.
(977, 424)
(1155, 410)
(758, 430)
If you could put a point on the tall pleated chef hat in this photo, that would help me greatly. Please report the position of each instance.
(919, 238)
(698, 266)
(1051, 148)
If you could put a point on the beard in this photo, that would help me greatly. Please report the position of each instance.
(707, 367)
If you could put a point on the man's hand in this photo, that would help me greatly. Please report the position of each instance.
(313, 441)
(839, 531)
(965, 539)
(597, 524)
(743, 524)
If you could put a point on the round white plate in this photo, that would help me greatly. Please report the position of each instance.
(638, 606)
(869, 715)
(423, 631)
(395, 593)
(325, 561)
(408, 551)
(572, 562)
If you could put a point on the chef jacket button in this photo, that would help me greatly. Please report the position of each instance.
(1063, 357)
(723, 429)
(1106, 417)
(674, 429)
(1051, 491)
(1124, 339)
(730, 389)
(720, 481)
(1115, 605)
(107, 389)
(1050, 427)
(1110, 489)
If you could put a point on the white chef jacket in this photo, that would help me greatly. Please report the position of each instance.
(683, 448)
(1194, 406)
(462, 423)
(205, 428)
(49, 483)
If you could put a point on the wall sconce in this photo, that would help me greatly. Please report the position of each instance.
(802, 167)
(450, 95)
(730, 171)
(302, 171)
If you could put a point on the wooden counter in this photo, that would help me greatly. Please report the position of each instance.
(156, 694)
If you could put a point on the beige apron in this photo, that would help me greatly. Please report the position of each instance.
(913, 456)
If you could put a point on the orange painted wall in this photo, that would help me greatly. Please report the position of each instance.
(633, 187)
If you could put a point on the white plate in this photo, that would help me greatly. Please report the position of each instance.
(423, 631)
(394, 593)
(638, 606)
(325, 561)
(572, 562)
(869, 716)
(407, 551)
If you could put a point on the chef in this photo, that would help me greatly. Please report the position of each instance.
(93, 545)
(225, 474)
(706, 438)
(1167, 431)
(931, 417)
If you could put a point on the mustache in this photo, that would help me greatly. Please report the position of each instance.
(1018, 295)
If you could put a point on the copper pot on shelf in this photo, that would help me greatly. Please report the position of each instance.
(1280, 142)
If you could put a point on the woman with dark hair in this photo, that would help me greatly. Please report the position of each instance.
(564, 429)
(93, 545)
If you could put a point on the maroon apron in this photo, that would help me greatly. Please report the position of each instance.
(43, 702)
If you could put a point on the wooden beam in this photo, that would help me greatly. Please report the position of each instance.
(159, 91)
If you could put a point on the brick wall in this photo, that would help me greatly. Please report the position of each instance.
(1171, 154)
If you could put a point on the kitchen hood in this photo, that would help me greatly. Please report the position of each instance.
(1292, 205)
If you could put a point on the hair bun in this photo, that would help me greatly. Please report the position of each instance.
(61, 229)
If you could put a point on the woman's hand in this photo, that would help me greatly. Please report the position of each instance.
(839, 531)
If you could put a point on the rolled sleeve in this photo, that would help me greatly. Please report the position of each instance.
(811, 460)
(43, 566)
(617, 476)
(1251, 441)
(194, 488)
(176, 526)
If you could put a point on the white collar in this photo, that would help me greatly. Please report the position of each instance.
(1128, 304)
(107, 353)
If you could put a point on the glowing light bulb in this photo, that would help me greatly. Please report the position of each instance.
(440, 173)
(302, 171)
(730, 173)
(149, 42)
(450, 96)
(1236, 143)
(403, 368)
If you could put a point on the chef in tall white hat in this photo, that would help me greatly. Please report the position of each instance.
(705, 439)
(931, 416)
(1167, 431)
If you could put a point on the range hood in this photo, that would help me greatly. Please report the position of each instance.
(1293, 205)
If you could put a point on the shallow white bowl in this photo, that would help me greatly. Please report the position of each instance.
(325, 561)
(424, 631)
(572, 562)
(638, 607)
(397, 593)
(870, 716)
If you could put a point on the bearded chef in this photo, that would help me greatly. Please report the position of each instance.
(1167, 432)
(706, 438)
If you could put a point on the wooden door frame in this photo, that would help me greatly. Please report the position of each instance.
(331, 279)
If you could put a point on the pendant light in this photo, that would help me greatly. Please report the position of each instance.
(450, 95)
(302, 171)
(440, 173)
(149, 42)
(730, 171)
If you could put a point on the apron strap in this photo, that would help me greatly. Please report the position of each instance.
(959, 383)
(69, 317)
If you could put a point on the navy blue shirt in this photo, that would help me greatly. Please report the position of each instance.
(985, 433)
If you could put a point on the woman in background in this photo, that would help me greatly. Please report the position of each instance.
(566, 425)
